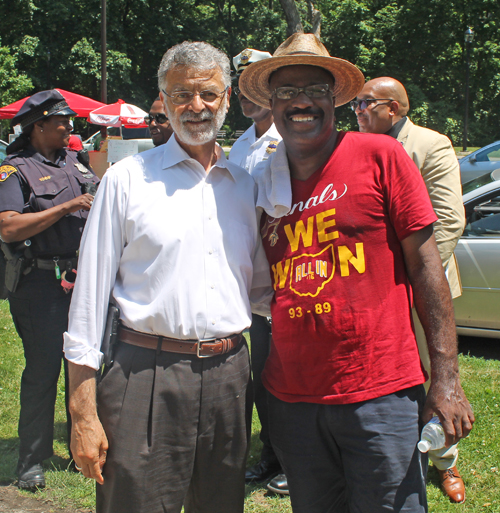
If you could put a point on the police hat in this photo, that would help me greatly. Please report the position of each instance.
(247, 57)
(42, 105)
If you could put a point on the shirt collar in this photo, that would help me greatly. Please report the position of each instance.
(174, 154)
(32, 153)
(396, 128)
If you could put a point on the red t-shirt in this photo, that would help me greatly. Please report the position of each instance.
(342, 329)
(75, 143)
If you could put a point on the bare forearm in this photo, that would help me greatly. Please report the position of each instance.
(82, 390)
(89, 444)
(18, 227)
(435, 310)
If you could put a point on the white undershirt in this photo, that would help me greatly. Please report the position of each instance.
(178, 249)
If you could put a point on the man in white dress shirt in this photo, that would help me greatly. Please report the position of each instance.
(258, 143)
(262, 138)
(174, 244)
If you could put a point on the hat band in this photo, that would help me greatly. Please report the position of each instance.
(302, 53)
(42, 112)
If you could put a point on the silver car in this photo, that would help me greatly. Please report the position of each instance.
(477, 310)
(482, 161)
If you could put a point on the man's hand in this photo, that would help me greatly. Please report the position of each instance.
(89, 444)
(432, 298)
(447, 400)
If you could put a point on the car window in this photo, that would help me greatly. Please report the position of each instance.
(489, 155)
(477, 182)
(483, 217)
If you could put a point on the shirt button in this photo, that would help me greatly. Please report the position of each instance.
(213, 321)
(212, 286)
(210, 252)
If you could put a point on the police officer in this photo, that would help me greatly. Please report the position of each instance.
(46, 191)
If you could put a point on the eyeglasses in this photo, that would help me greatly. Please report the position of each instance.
(363, 104)
(159, 118)
(313, 91)
(186, 97)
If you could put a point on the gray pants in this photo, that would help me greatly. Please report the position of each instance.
(178, 429)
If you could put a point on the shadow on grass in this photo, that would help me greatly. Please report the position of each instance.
(9, 449)
(487, 348)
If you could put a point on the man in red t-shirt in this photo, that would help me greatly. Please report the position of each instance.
(347, 402)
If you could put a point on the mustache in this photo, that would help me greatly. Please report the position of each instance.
(306, 112)
(204, 115)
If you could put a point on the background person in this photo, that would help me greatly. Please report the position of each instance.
(262, 138)
(42, 200)
(75, 142)
(346, 397)
(257, 144)
(176, 234)
(381, 108)
(158, 123)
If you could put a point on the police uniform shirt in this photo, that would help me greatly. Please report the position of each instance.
(31, 183)
(248, 151)
(178, 249)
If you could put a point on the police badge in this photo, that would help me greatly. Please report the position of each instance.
(271, 147)
(81, 168)
(245, 56)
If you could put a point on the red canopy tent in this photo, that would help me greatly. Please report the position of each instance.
(80, 104)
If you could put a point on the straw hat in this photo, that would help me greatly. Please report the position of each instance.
(296, 50)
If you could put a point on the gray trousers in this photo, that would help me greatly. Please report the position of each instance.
(178, 429)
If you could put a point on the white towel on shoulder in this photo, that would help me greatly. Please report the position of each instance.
(273, 180)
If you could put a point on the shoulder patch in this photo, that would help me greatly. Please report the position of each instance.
(6, 171)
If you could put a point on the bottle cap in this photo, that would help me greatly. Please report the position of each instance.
(424, 445)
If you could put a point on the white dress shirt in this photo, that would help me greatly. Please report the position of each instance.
(248, 151)
(178, 249)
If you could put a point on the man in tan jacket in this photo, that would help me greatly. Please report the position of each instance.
(381, 107)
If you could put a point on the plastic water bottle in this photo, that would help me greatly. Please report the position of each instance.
(432, 436)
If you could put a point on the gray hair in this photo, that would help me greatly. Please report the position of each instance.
(198, 55)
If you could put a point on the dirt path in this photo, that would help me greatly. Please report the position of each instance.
(11, 501)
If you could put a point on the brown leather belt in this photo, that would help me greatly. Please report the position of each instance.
(202, 349)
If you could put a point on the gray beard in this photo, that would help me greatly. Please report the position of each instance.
(198, 136)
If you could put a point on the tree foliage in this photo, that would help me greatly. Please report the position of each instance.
(57, 44)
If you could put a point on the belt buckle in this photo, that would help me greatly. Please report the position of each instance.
(198, 346)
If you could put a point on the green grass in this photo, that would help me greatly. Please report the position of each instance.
(470, 149)
(479, 461)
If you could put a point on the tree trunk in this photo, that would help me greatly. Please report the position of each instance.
(292, 17)
(314, 19)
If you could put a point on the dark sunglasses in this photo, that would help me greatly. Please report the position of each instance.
(159, 118)
(363, 104)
